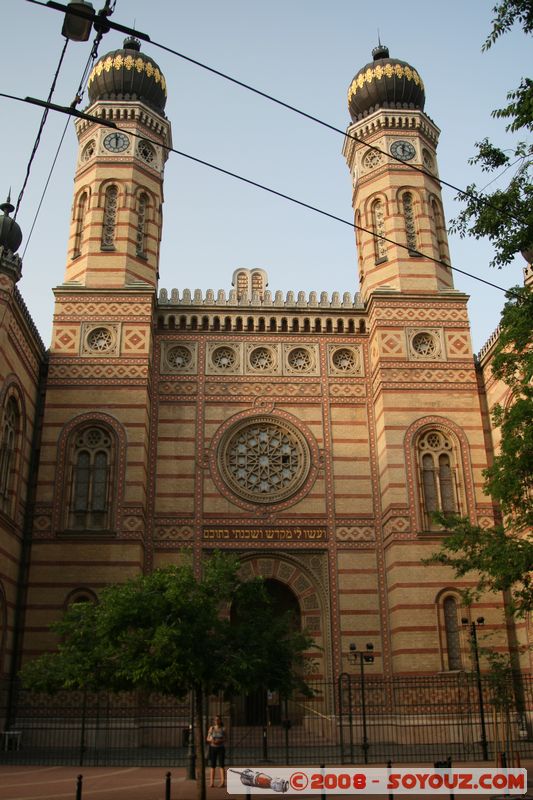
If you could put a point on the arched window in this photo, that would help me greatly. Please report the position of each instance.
(81, 596)
(142, 210)
(80, 221)
(378, 226)
(8, 449)
(439, 230)
(91, 492)
(438, 475)
(452, 632)
(110, 218)
(409, 221)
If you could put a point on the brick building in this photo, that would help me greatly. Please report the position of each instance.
(312, 435)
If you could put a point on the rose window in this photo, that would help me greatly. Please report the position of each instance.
(100, 340)
(264, 460)
(179, 357)
(261, 358)
(425, 344)
(344, 360)
(224, 357)
(146, 151)
(434, 440)
(372, 159)
(300, 359)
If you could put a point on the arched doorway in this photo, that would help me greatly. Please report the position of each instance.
(264, 707)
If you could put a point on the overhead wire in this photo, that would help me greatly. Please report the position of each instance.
(463, 193)
(77, 99)
(250, 182)
(39, 131)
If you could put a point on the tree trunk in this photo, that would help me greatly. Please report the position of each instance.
(199, 740)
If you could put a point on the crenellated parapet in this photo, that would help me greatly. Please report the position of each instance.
(313, 300)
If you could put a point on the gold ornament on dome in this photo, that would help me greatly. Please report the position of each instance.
(377, 73)
(119, 61)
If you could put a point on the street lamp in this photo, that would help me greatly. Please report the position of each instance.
(472, 626)
(365, 657)
(78, 21)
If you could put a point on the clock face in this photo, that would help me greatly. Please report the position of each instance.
(403, 150)
(116, 142)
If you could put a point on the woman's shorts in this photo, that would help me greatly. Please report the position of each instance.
(216, 754)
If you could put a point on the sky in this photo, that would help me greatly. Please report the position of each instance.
(304, 52)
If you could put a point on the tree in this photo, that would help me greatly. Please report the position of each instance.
(505, 216)
(170, 633)
(502, 556)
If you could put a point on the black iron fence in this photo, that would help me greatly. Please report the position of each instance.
(352, 721)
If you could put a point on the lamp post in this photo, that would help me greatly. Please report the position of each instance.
(475, 650)
(364, 657)
(191, 754)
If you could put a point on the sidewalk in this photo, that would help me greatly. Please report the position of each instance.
(147, 783)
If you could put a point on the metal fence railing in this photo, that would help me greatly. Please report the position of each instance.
(353, 721)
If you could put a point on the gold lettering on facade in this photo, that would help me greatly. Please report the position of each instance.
(265, 534)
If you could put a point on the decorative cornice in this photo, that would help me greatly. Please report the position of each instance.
(197, 298)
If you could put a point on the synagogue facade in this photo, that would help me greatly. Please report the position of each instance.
(312, 435)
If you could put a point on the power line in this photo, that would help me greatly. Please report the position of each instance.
(40, 130)
(249, 181)
(465, 193)
(77, 99)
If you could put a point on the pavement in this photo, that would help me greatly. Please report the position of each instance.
(149, 783)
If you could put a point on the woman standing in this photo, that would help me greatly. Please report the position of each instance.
(216, 738)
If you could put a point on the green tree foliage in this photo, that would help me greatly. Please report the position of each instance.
(502, 557)
(505, 216)
(170, 633)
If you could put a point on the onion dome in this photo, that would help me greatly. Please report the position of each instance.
(10, 233)
(128, 74)
(385, 83)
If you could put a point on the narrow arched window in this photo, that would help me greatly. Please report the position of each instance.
(452, 635)
(142, 210)
(91, 478)
(80, 222)
(8, 449)
(439, 480)
(110, 218)
(378, 226)
(409, 221)
(439, 230)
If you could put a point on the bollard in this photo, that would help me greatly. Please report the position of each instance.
(322, 770)
(389, 767)
(79, 787)
(168, 778)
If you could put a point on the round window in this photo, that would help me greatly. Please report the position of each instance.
(345, 360)
(223, 357)
(300, 359)
(264, 460)
(179, 357)
(425, 344)
(262, 358)
(100, 340)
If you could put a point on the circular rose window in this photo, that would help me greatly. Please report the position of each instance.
(264, 460)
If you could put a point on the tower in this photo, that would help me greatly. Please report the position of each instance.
(92, 497)
(395, 196)
(118, 185)
(423, 396)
